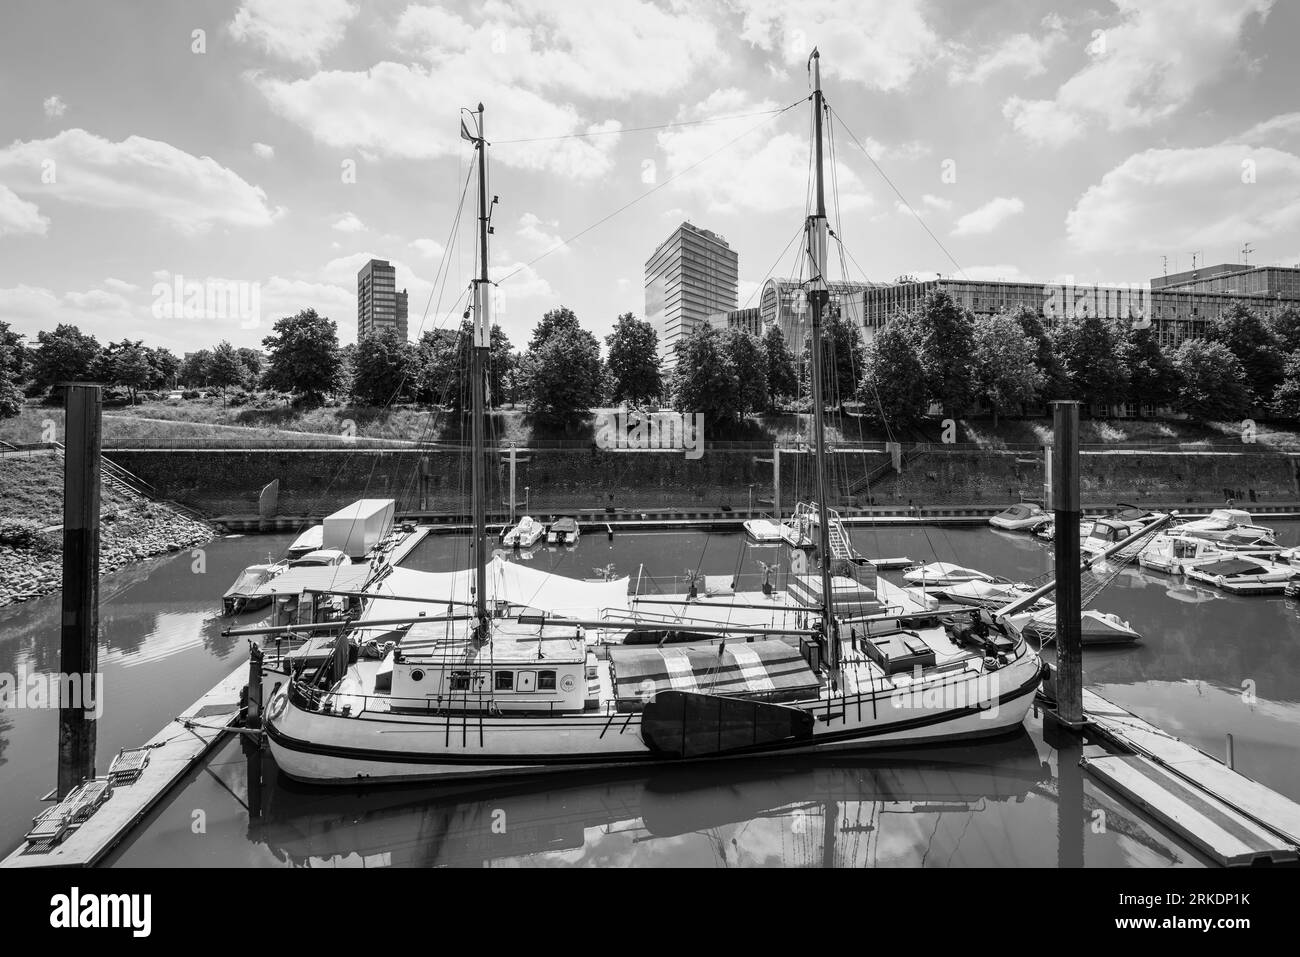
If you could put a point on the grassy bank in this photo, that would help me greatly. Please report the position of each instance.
(31, 541)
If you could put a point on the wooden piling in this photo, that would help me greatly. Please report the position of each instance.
(1069, 588)
(79, 639)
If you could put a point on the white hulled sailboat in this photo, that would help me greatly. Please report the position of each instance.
(504, 669)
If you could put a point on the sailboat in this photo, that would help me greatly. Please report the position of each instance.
(503, 669)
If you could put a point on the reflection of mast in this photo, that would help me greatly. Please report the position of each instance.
(820, 296)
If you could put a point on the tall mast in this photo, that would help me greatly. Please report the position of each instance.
(478, 357)
(820, 296)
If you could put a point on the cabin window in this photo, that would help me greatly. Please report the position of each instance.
(505, 681)
(546, 681)
(460, 681)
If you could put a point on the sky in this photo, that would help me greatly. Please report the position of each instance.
(262, 150)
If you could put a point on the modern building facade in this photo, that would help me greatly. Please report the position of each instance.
(749, 321)
(379, 304)
(1177, 306)
(785, 302)
(692, 275)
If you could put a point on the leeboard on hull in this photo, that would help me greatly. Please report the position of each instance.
(684, 724)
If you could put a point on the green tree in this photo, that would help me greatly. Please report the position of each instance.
(893, 390)
(225, 370)
(566, 375)
(1088, 351)
(941, 332)
(303, 356)
(1285, 325)
(16, 361)
(64, 355)
(555, 320)
(382, 369)
(1213, 383)
(841, 360)
(1152, 378)
(750, 361)
(126, 364)
(11, 396)
(194, 368)
(704, 378)
(632, 352)
(782, 381)
(1286, 401)
(1031, 324)
(251, 360)
(1004, 364)
(163, 368)
(437, 379)
(1252, 341)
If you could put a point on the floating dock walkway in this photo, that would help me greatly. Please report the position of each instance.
(1227, 816)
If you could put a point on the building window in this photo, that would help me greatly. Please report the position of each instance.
(505, 681)
(546, 681)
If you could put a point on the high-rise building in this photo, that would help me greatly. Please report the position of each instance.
(379, 304)
(692, 275)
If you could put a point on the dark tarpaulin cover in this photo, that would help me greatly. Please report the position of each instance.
(772, 668)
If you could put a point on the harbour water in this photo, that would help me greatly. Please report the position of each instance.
(1211, 664)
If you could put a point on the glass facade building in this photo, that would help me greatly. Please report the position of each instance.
(691, 276)
(379, 304)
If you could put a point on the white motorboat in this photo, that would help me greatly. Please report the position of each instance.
(1174, 553)
(984, 592)
(1108, 530)
(525, 534)
(764, 530)
(1231, 528)
(309, 541)
(1098, 627)
(246, 594)
(563, 531)
(1241, 574)
(321, 558)
(941, 574)
(1023, 516)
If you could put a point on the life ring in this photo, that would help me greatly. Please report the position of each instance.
(568, 683)
(277, 705)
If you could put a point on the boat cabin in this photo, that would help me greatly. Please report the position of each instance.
(518, 670)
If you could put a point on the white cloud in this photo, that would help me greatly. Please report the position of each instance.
(298, 30)
(191, 192)
(32, 309)
(1027, 54)
(989, 217)
(935, 202)
(747, 292)
(263, 151)
(1144, 68)
(879, 43)
(18, 217)
(349, 223)
(1172, 199)
(1001, 272)
(120, 285)
(611, 49)
(532, 230)
(762, 170)
(408, 111)
(54, 106)
(1272, 131)
(428, 248)
(882, 152)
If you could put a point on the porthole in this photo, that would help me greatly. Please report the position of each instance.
(417, 674)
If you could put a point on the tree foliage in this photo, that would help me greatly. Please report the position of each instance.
(565, 374)
(1252, 341)
(1087, 349)
(632, 354)
(704, 378)
(303, 356)
(782, 380)
(382, 369)
(893, 391)
(841, 360)
(749, 359)
(1004, 363)
(1213, 383)
(64, 355)
(1150, 373)
(941, 332)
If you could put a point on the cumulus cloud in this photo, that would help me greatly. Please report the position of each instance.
(746, 164)
(1143, 68)
(988, 217)
(881, 44)
(18, 217)
(1026, 54)
(349, 223)
(192, 193)
(428, 248)
(263, 151)
(539, 233)
(297, 30)
(54, 106)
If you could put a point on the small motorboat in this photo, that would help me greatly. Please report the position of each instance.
(243, 595)
(525, 534)
(763, 530)
(321, 558)
(1175, 553)
(563, 531)
(984, 592)
(941, 574)
(1240, 574)
(1127, 520)
(1023, 516)
(1230, 528)
(309, 541)
(1098, 627)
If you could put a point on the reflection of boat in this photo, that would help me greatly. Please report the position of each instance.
(525, 534)
(563, 531)
(308, 541)
(1244, 575)
(943, 573)
(243, 595)
(1230, 528)
(1023, 516)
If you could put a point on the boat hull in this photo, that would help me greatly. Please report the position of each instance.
(332, 749)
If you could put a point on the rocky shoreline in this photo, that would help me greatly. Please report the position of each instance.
(127, 535)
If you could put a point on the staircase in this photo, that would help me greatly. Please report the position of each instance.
(885, 469)
(127, 483)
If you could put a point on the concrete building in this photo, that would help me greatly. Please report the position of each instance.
(1178, 306)
(746, 320)
(785, 301)
(379, 304)
(692, 275)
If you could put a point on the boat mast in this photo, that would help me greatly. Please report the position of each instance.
(478, 356)
(819, 294)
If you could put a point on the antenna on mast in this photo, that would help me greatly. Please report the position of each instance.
(1245, 253)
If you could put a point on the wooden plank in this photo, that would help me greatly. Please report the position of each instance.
(1273, 810)
(173, 751)
(1199, 818)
